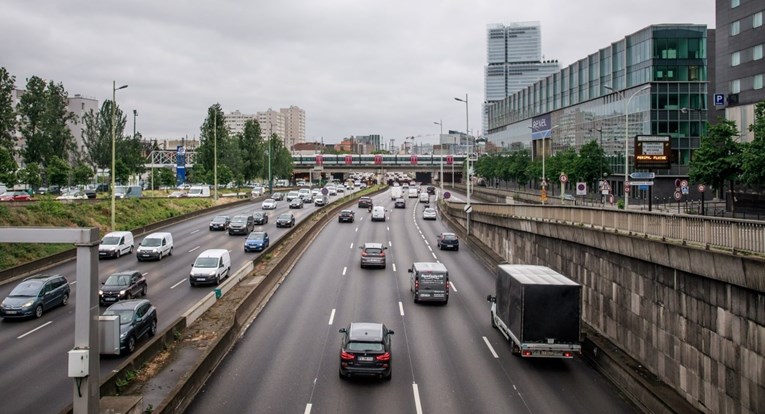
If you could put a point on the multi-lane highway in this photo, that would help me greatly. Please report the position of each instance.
(33, 352)
(446, 359)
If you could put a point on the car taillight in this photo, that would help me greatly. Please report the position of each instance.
(364, 254)
(447, 285)
(567, 354)
(382, 254)
(416, 285)
(526, 353)
(346, 356)
(383, 357)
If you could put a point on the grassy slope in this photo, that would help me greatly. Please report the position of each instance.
(129, 214)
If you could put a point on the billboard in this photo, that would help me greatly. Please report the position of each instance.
(653, 151)
(180, 165)
(540, 127)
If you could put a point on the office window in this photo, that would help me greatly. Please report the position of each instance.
(757, 19)
(734, 3)
(735, 58)
(735, 86)
(757, 81)
(735, 28)
(757, 52)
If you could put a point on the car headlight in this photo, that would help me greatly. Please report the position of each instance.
(122, 292)
(123, 335)
(28, 304)
(100, 292)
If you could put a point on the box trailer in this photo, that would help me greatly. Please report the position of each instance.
(538, 310)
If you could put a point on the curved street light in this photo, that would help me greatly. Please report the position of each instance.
(114, 140)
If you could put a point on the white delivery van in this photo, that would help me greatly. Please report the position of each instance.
(199, 191)
(378, 213)
(413, 193)
(396, 192)
(115, 244)
(424, 197)
(127, 191)
(155, 246)
(211, 266)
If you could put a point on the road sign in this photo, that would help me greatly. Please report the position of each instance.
(677, 183)
(643, 187)
(563, 178)
(641, 183)
(702, 188)
(581, 189)
(627, 187)
(719, 99)
(447, 195)
(678, 195)
(324, 191)
(638, 175)
(468, 208)
(684, 184)
(684, 190)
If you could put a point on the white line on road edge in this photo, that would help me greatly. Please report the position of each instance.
(332, 317)
(345, 268)
(175, 285)
(390, 244)
(194, 231)
(394, 267)
(417, 405)
(490, 348)
(387, 228)
(454, 288)
(36, 329)
(307, 408)
(194, 249)
(434, 256)
(426, 243)
(401, 308)
(351, 245)
(357, 229)
(430, 248)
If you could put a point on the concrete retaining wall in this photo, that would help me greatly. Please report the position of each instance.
(693, 318)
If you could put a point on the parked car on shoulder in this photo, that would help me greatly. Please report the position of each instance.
(346, 216)
(365, 350)
(138, 318)
(35, 295)
(256, 241)
(220, 223)
(448, 241)
(121, 286)
(73, 195)
(178, 194)
(15, 196)
(285, 220)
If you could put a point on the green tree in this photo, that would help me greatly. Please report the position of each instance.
(591, 161)
(31, 175)
(225, 175)
(520, 162)
(44, 115)
(251, 148)
(165, 177)
(7, 112)
(130, 153)
(97, 137)
(58, 171)
(718, 158)
(213, 133)
(281, 161)
(82, 174)
(8, 167)
(753, 153)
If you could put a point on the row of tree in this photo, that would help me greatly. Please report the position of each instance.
(49, 154)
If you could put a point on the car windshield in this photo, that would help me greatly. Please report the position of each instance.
(365, 346)
(346, 212)
(239, 219)
(111, 240)
(27, 288)
(373, 250)
(448, 236)
(206, 262)
(429, 211)
(118, 280)
(126, 315)
(256, 236)
(219, 219)
(151, 242)
(258, 215)
(285, 217)
(269, 201)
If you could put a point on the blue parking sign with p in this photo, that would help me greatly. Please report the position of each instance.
(719, 99)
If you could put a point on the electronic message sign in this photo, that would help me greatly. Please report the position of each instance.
(653, 152)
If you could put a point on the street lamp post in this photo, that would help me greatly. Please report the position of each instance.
(270, 180)
(626, 139)
(544, 138)
(600, 176)
(215, 154)
(114, 143)
(441, 176)
(467, 182)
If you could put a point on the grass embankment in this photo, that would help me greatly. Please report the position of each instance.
(129, 214)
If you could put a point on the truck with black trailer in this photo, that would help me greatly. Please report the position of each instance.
(538, 310)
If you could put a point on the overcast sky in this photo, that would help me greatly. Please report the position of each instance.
(356, 67)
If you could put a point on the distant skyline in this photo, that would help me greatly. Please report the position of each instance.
(390, 68)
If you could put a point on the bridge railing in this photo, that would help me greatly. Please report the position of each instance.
(734, 235)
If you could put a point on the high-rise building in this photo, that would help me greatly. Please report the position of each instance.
(513, 61)
(235, 121)
(287, 123)
(740, 67)
(79, 106)
(294, 125)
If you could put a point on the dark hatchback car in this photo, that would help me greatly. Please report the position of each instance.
(399, 203)
(122, 285)
(365, 350)
(277, 196)
(138, 318)
(260, 217)
(285, 220)
(34, 295)
(448, 241)
(296, 203)
(431, 190)
(241, 224)
(365, 202)
(373, 254)
(346, 216)
(256, 241)
(220, 223)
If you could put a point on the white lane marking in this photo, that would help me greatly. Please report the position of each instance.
(430, 248)
(357, 229)
(434, 256)
(417, 405)
(490, 348)
(451, 284)
(387, 228)
(71, 283)
(175, 285)
(351, 245)
(194, 231)
(35, 330)
(144, 274)
(401, 308)
(307, 408)
(390, 244)
(194, 249)
(394, 267)
(426, 243)
(423, 236)
(332, 317)
(345, 268)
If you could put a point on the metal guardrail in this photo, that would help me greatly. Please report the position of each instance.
(735, 235)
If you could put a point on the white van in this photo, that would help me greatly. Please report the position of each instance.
(413, 193)
(211, 266)
(115, 244)
(424, 197)
(155, 246)
(378, 213)
(396, 193)
(199, 191)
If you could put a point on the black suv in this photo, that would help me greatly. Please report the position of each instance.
(366, 350)
(137, 318)
(241, 225)
(346, 216)
(260, 217)
(122, 285)
(365, 202)
(34, 295)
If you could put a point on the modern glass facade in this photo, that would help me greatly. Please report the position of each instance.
(661, 71)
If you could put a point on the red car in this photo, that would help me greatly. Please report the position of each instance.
(15, 196)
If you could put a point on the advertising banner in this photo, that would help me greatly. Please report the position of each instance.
(540, 127)
(653, 152)
(180, 165)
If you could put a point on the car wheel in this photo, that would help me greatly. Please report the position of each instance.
(456, 249)
(119, 253)
(340, 374)
(129, 296)
(192, 284)
(160, 255)
(138, 258)
(131, 250)
(217, 280)
(38, 311)
(389, 376)
(65, 299)
(153, 328)
(144, 290)
(130, 344)
(171, 252)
